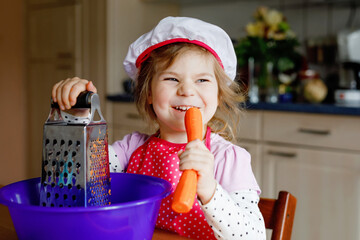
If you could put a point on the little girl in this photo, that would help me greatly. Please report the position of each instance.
(183, 63)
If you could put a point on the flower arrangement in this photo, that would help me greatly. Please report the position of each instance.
(269, 39)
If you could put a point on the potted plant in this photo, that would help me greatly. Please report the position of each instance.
(270, 42)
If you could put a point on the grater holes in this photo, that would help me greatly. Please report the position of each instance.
(62, 142)
(54, 142)
(70, 143)
(47, 141)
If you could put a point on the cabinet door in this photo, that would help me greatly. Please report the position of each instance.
(326, 185)
(250, 126)
(255, 151)
(41, 77)
(126, 119)
(54, 33)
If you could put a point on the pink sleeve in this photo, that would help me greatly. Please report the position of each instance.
(233, 167)
(125, 147)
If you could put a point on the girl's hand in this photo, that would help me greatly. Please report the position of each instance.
(66, 91)
(197, 157)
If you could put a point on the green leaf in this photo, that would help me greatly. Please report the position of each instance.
(285, 64)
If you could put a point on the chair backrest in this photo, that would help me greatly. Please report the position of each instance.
(279, 215)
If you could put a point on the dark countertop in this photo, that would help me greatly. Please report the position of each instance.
(287, 107)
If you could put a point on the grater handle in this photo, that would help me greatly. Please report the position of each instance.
(82, 101)
(86, 99)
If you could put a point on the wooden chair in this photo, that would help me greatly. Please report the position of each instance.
(279, 215)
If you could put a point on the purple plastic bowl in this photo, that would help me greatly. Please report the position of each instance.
(135, 203)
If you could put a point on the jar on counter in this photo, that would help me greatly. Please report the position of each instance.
(312, 88)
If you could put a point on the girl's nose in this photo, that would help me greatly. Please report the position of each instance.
(186, 89)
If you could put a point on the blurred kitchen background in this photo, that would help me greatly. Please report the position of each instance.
(302, 126)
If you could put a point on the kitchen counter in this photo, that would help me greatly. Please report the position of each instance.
(287, 107)
(306, 108)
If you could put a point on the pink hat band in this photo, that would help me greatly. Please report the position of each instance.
(145, 55)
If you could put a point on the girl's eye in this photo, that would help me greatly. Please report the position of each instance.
(203, 80)
(171, 79)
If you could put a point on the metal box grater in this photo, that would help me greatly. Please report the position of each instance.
(75, 164)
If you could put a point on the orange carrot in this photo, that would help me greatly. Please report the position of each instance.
(185, 191)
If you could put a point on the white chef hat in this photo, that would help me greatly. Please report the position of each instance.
(182, 29)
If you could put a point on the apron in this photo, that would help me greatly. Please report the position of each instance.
(158, 158)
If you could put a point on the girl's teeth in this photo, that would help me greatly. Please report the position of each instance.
(182, 108)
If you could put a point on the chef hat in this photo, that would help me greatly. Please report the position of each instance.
(182, 29)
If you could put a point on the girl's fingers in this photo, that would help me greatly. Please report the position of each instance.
(58, 95)
(90, 87)
(66, 91)
(196, 159)
(77, 87)
(53, 91)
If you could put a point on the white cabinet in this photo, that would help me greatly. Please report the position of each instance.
(316, 157)
(249, 132)
(326, 185)
(126, 119)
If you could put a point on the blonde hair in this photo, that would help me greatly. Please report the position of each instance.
(227, 116)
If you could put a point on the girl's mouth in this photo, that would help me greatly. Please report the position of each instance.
(183, 108)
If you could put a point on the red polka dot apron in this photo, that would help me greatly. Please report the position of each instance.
(157, 157)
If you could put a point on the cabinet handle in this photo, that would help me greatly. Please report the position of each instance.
(133, 116)
(314, 131)
(282, 154)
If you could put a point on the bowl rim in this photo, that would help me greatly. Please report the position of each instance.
(166, 192)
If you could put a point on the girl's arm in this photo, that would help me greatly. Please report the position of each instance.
(235, 215)
(233, 211)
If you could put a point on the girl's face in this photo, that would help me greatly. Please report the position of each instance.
(189, 82)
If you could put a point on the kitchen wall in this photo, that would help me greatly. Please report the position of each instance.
(128, 20)
(307, 22)
(12, 92)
